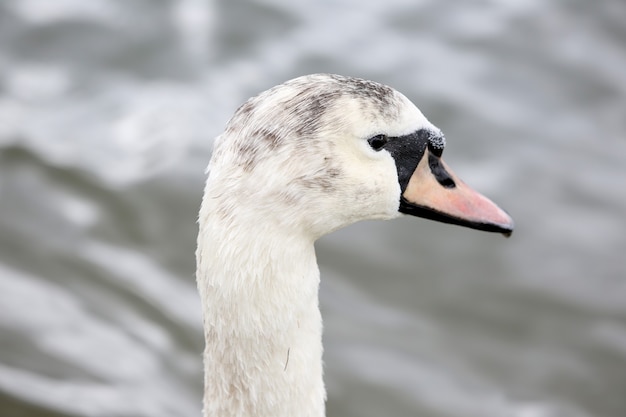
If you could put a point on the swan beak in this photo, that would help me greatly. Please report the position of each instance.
(435, 192)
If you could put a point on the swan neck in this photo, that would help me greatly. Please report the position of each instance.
(262, 324)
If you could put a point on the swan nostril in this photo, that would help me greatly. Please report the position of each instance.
(439, 172)
(447, 182)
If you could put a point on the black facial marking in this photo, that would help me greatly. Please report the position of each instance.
(439, 171)
(407, 151)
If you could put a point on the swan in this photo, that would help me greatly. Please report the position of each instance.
(294, 163)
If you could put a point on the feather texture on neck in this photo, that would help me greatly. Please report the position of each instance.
(259, 286)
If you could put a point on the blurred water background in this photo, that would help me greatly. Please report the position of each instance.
(108, 109)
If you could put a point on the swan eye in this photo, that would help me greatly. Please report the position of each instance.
(378, 141)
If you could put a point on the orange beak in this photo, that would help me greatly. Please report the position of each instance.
(435, 192)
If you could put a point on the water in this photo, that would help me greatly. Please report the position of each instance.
(107, 111)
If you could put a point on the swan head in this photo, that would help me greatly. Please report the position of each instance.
(323, 151)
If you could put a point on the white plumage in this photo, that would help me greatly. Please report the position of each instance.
(293, 164)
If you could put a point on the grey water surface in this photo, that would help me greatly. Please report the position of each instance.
(108, 109)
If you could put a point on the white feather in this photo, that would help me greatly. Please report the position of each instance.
(292, 166)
